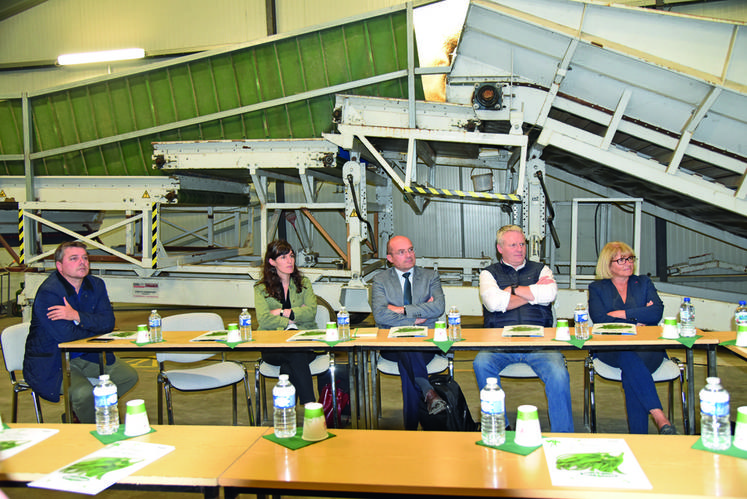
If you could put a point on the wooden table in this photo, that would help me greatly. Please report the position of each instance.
(647, 337)
(179, 341)
(201, 454)
(379, 463)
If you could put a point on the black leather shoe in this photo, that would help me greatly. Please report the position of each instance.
(667, 429)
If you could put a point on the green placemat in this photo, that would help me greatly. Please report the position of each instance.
(729, 342)
(688, 341)
(6, 427)
(510, 446)
(333, 343)
(116, 437)
(731, 451)
(233, 344)
(295, 443)
(573, 341)
(443, 345)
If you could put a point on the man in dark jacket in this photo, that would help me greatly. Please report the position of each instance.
(71, 305)
(519, 291)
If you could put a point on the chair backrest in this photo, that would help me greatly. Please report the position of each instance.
(194, 321)
(14, 345)
(322, 316)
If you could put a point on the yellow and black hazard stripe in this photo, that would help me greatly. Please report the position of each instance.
(21, 245)
(154, 235)
(432, 191)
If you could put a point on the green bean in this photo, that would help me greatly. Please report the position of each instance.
(97, 467)
(594, 461)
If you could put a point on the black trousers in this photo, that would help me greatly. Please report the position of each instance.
(296, 366)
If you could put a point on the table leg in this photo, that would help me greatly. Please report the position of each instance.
(374, 390)
(712, 363)
(353, 384)
(66, 386)
(363, 386)
(690, 367)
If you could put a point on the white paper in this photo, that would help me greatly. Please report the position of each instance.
(627, 475)
(613, 328)
(15, 440)
(527, 330)
(309, 335)
(116, 461)
(408, 331)
(120, 335)
(212, 336)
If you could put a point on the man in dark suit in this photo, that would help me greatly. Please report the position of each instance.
(407, 295)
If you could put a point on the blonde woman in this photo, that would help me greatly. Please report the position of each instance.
(621, 296)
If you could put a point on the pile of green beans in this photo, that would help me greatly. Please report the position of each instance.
(96, 468)
(595, 461)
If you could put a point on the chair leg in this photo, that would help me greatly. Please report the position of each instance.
(587, 426)
(37, 407)
(159, 387)
(670, 400)
(450, 358)
(263, 390)
(592, 418)
(233, 400)
(257, 395)
(683, 398)
(14, 409)
(248, 399)
(167, 396)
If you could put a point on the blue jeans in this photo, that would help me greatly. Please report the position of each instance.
(551, 369)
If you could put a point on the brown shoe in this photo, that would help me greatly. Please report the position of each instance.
(434, 403)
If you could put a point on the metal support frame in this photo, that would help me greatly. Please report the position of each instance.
(574, 275)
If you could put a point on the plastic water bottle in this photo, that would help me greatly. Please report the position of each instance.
(493, 409)
(581, 318)
(105, 404)
(284, 401)
(687, 318)
(715, 428)
(343, 324)
(154, 326)
(245, 325)
(454, 330)
(740, 316)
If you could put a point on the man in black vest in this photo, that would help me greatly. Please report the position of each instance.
(518, 291)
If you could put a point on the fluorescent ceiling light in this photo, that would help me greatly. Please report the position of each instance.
(103, 56)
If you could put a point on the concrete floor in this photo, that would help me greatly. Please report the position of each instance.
(214, 408)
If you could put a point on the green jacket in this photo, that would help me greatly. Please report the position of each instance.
(303, 305)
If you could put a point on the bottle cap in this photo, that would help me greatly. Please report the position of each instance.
(104, 377)
(283, 377)
(492, 380)
(713, 381)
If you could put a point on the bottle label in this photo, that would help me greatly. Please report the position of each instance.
(105, 399)
(284, 401)
(489, 406)
(715, 409)
(154, 322)
(343, 320)
(581, 316)
(245, 321)
(455, 320)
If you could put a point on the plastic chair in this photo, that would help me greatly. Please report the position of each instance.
(668, 370)
(438, 363)
(209, 377)
(262, 369)
(13, 341)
